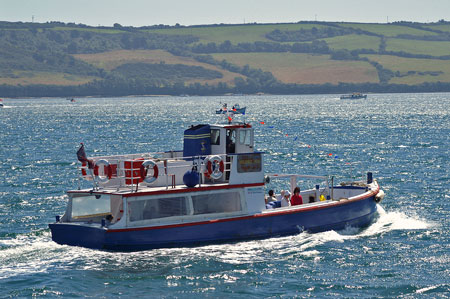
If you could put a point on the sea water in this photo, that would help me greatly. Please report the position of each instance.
(402, 138)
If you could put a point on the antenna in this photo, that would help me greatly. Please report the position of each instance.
(32, 18)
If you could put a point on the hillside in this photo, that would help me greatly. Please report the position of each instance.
(58, 59)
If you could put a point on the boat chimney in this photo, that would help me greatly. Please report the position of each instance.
(369, 178)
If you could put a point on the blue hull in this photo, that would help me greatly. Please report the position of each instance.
(358, 213)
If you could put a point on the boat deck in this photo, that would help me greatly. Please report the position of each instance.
(127, 191)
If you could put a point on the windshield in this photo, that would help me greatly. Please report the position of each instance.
(90, 206)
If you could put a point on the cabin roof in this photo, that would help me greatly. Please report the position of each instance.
(179, 189)
(231, 126)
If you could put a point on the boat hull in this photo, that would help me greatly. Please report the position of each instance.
(336, 216)
(78, 235)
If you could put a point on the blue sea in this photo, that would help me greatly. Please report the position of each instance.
(403, 139)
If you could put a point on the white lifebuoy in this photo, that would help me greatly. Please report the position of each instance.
(107, 168)
(144, 169)
(215, 167)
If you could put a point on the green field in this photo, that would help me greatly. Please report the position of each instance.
(441, 27)
(97, 30)
(113, 59)
(46, 78)
(236, 33)
(434, 48)
(388, 30)
(404, 65)
(305, 68)
(353, 42)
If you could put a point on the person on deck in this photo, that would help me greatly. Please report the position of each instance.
(281, 196)
(286, 200)
(296, 198)
(271, 197)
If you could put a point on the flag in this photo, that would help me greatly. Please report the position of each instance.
(81, 155)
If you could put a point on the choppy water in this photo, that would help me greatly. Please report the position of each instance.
(402, 138)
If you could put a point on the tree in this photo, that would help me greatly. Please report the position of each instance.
(72, 48)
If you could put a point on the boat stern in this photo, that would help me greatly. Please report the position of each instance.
(75, 234)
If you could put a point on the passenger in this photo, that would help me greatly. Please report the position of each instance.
(271, 197)
(281, 196)
(311, 199)
(109, 219)
(286, 201)
(296, 198)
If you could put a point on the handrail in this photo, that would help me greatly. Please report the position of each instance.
(119, 179)
(305, 176)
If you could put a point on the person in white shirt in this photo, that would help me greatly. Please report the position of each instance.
(286, 200)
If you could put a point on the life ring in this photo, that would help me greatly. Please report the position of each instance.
(107, 169)
(218, 170)
(144, 169)
(83, 169)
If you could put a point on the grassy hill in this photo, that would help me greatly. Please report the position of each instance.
(68, 59)
(113, 59)
(304, 68)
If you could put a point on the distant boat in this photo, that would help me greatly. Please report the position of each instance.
(236, 109)
(353, 96)
(71, 99)
(1, 103)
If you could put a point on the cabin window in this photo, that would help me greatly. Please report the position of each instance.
(245, 137)
(215, 137)
(90, 206)
(155, 208)
(249, 163)
(216, 203)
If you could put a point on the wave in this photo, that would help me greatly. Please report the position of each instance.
(35, 252)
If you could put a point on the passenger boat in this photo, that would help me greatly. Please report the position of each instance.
(354, 96)
(211, 191)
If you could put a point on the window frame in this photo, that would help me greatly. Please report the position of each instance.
(215, 135)
(190, 213)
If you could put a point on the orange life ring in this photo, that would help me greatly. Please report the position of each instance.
(107, 169)
(217, 170)
(144, 169)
